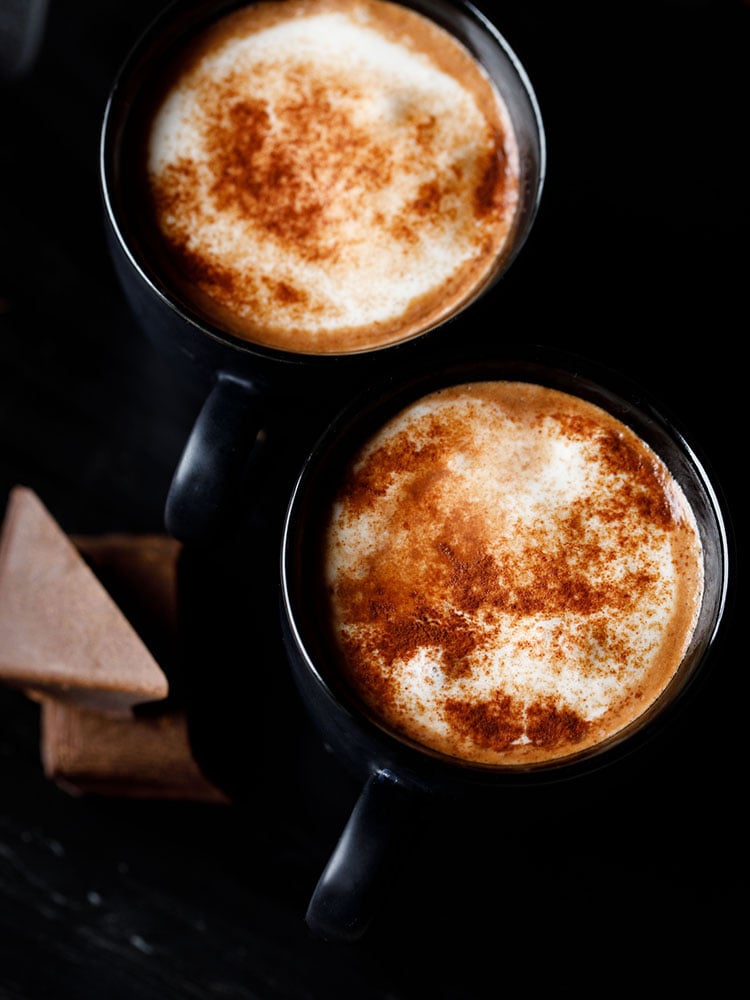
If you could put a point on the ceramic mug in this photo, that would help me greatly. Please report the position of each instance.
(250, 379)
(398, 773)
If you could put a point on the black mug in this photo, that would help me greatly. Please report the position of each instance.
(247, 380)
(400, 777)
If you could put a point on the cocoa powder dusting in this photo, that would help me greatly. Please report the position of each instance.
(491, 172)
(285, 183)
(370, 480)
(645, 485)
(499, 723)
(496, 723)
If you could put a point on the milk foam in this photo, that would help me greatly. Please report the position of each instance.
(514, 575)
(360, 196)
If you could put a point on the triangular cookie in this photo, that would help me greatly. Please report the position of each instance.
(61, 633)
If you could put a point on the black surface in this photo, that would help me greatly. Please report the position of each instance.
(639, 259)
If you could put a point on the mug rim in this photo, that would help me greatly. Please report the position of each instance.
(166, 30)
(387, 396)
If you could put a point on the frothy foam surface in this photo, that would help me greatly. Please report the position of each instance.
(329, 176)
(513, 574)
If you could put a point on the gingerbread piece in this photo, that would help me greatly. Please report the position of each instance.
(88, 753)
(62, 634)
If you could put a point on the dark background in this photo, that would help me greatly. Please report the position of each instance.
(638, 260)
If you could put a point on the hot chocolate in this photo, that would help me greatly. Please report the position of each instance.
(512, 575)
(328, 176)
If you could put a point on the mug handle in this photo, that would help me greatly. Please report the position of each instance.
(206, 483)
(344, 900)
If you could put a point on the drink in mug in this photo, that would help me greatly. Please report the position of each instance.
(510, 575)
(327, 176)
